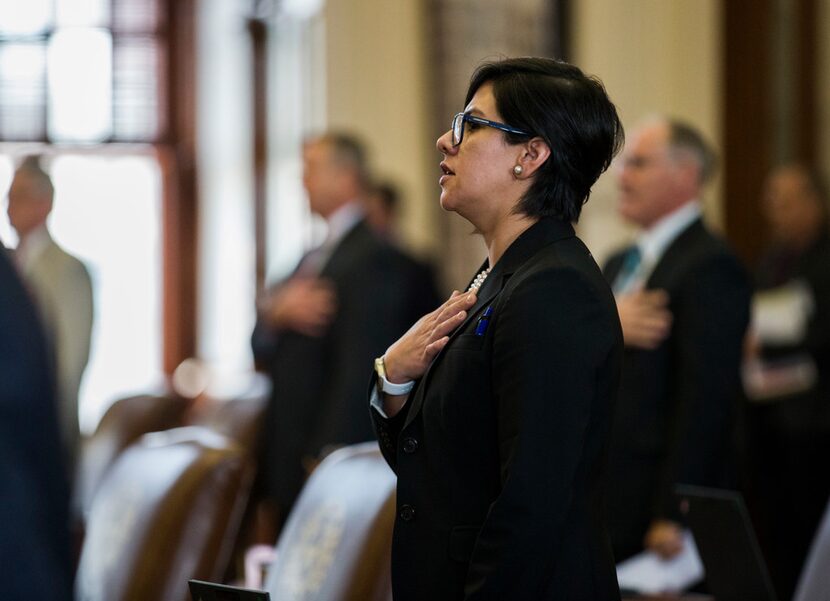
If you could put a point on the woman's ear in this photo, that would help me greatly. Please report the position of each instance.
(533, 155)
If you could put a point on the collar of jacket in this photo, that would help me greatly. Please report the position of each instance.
(545, 231)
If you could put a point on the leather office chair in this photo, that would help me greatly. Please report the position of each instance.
(238, 416)
(124, 422)
(336, 544)
(167, 511)
(814, 582)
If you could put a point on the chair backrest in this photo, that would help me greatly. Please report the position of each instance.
(124, 422)
(336, 544)
(167, 511)
(238, 416)
(814, 583)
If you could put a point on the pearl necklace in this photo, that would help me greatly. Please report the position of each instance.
(479, 280)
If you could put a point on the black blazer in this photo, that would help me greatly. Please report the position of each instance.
(35, 553)
(319, 384)
(500, 448)
(676, 412)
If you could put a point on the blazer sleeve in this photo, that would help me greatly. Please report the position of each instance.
(264, 336)
(551, 354)
(388, 429)
(710, 322)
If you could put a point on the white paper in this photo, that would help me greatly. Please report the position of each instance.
(648, 573)
(779, 315)
(766, 381)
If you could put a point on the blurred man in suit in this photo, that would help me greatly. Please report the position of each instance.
(316, 331)
(382, 205)
(35, 558)
(61, 287)
(683, 301)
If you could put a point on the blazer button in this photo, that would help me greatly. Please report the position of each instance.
(407, 513)
(410, 445)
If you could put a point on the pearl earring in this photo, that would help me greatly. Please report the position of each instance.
(517, 170)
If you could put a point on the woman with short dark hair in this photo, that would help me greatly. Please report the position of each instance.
(494, 410)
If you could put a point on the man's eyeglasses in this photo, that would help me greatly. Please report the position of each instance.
(458, 126)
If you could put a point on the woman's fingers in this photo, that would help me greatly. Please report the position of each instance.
(455, 304)
(434, 348)
(446, 326)
(450, 315)
(412, 353)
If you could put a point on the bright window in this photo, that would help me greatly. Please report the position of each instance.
(76, 76)
(82, 71)
(107, 212)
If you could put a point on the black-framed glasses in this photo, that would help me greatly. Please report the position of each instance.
(458, 126)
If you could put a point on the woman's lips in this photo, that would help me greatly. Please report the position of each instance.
(447, 173)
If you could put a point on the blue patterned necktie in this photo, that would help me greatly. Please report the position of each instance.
(628, 272)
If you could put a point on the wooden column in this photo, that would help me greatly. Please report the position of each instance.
(806, 70)
(747, 120)
(180, 199)
(770, 105)
(258, 29)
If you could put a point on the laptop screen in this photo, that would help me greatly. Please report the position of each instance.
(719, 521)
(209, 591)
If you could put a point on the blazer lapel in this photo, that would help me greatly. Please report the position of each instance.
(541, 234)
(488, 291)
(344, 249)
(612, 268)
(677, 248)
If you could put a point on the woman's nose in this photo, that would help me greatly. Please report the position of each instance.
(444, 143)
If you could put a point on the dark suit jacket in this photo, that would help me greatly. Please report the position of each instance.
(420, 283)
(35, 560)
(676, 412)
(320, 383)
(500, 448)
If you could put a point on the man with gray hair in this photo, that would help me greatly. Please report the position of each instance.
(683, 300)
(316, 330)
(61, 287)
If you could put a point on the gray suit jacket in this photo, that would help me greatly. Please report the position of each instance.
(62, 290)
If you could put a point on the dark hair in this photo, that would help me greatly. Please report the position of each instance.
(347, 150)
(388, 194)
(684, 137)
(571, 112)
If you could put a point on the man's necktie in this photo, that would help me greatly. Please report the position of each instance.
(628, 275)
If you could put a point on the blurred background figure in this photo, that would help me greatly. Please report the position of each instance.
(787, 371)
(34, 487)
(683, 300)
(383, 206)
(61, 287)
(318, 329)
